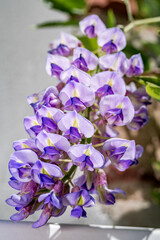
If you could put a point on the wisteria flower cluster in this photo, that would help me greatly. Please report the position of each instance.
(74, 126)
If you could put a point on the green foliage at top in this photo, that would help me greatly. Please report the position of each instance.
(69, 6)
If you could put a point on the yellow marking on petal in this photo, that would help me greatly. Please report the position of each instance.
(80, 201)
(49, 115)
(44, 171)
(114, 37)
(135, 62)
(19, 161)
(110, 83)
(63, 40)
(49, 142)
(25, 145)
(35, 122)
(120, 105)
(75, 93)
(116, 63)
(75, 74)
(88, 152)
(75, 123)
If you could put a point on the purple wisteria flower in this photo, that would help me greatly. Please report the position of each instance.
(20, 164)
(48, 97)
(135, 66)
(140, 119)
(25, 144)
(86, 157)
(48, 117)
(92, 26)
(64, 44)
(52, 204)
(44, 173)
(84, 59)
(51, 145)
(112, 40)
(106, 83)
(71, 123)
(75, 74)
(78, 200)
(32, 126)
(56, 64)
(105, 195)
(121, 152)
(116, 62)
(75, 126)
(76, 96)
(117, 110)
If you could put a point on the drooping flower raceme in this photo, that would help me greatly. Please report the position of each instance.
(73, 126)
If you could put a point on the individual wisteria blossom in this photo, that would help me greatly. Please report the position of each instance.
(106, 83)
(117, 110)
(135, 66)
(92, 26)
(51, 145)
(76, 96)
(75, 126)
(48, 97)
(78, 199)
(140, 119)
(48, 117)
(44, 173)
(86, 157)
(56, 64)
(52, 204)
(84, 59)
(20, 164)
(116, 62)
(64, 44)
(112, 40)
(105, 195)
(75, 74)
(121, 152)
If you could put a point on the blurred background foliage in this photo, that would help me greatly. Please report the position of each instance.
(143, 39)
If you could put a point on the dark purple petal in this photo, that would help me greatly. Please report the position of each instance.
(90, 31)
(75, 104)
(109, 47)
(78, 212)
(103, 91)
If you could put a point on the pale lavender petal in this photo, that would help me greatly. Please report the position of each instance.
(74, 89)
(67, 39)
(90, 58)
(32, 126)
(61, 62)
(116, 62)
(74, 73)
(92, 26)
(45, 139)
(111, 79)
(112, 37)
(135, 66)
(116, 103)
(73, 119)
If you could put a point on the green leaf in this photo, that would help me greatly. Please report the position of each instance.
(69, 6)
(153, 90)
(111, 19)
(71, 22)
(89, 43)
(150, 79)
